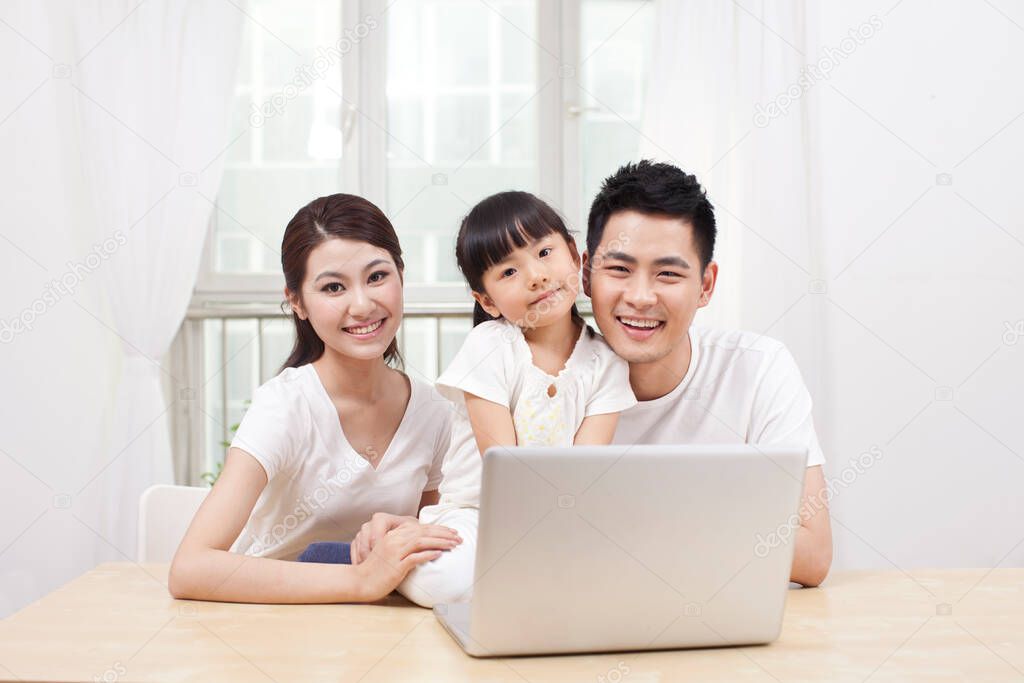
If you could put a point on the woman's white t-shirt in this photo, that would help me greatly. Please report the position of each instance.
(318, 487)
(496, 364)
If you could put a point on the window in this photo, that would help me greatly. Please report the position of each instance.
(459, 128)
(615, 47)
(288, 112)
(468, 93)
(424, 108)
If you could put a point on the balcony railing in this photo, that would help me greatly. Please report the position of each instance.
(226, 350)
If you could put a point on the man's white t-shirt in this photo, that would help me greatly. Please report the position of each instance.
(495, 363)
(740, 388)
(318, 487)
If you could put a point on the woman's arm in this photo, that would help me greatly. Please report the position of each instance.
(596, 430)
(492, 423)
(204, 568)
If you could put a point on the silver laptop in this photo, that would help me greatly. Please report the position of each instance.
(614, 548)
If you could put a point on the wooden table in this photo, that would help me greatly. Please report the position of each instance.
(118, 623)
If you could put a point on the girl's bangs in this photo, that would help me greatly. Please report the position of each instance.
(493, 245)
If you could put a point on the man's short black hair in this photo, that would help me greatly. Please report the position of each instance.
(657, 189)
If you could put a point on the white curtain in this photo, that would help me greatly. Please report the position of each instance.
(722, 75)
(153, 103)
(111, 125)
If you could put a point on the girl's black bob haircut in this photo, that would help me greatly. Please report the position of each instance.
(494, 228)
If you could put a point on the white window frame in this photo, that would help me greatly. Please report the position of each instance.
(364, 151)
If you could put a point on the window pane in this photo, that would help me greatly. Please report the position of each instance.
(278, 339)
(453, 333)
(462, 118)
(616, 37)
(288, 115)
(419, 347)
(242, 367)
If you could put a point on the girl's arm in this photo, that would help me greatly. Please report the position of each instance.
(204, 568)
(492, 423)
(596, 430)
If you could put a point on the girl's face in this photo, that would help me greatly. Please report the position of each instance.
(352, 296)
(534, 285)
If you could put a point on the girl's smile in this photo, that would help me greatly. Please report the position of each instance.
(546, 295)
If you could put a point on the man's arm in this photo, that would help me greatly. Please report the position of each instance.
(812, 556)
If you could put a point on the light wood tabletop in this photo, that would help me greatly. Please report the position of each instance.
(117, 623)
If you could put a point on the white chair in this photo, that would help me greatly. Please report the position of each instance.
(164, 515)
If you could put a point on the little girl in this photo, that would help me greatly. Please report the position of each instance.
(530, 373)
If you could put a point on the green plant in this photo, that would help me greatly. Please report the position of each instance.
(211, 477)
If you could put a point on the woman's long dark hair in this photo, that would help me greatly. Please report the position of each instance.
(337, 215)
(497, 225)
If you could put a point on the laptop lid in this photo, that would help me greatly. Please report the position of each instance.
(633, 547)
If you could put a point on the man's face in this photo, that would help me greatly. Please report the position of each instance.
(645, 283)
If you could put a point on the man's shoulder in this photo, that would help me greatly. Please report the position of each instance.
(743, 360)
(735, 342)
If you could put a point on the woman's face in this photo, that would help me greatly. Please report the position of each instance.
(352, 296)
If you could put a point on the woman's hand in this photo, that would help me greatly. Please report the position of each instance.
(373, 531)
(381, 523)
(397, 552)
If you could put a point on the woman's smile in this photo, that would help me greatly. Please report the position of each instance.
(367, 331)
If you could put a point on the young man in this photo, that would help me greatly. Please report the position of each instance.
(647, 269)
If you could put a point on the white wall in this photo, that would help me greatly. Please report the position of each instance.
(921, 279)
(893, 271)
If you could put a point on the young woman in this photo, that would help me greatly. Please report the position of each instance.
(337, 436)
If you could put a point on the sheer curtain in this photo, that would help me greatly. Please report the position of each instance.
(726, 101)
(152, 102)
(112, 130)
